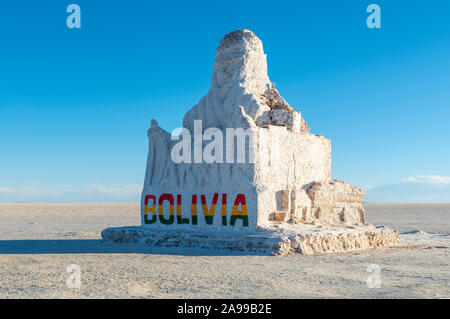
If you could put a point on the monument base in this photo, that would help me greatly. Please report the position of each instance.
(277, 240)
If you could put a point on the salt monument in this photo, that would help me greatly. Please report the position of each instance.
(277, 199)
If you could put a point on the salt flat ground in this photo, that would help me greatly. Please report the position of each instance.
(39, 241)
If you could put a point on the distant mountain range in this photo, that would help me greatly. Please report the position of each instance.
(413, 189)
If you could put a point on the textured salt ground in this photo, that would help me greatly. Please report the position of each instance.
(38, 242)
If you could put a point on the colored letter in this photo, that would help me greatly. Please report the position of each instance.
(162, 198)
(224, 209)
(148, 209)
(209, 214)
(240, 200)
(194, 209)
(180, 220)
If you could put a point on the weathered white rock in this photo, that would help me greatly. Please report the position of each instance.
(295, 239)
(284, 196)
(336, 191)
(335, 202)
(240, 80)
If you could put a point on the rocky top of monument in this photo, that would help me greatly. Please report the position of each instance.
(241, 93)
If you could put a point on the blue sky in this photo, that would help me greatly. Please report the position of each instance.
(75, 104)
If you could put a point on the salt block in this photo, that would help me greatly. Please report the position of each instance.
(282, 241)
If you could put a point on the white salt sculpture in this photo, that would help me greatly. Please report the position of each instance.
(283, 202)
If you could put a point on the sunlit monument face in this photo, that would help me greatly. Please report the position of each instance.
(284, 192)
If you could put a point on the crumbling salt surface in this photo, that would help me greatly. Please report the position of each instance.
(301, 239)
